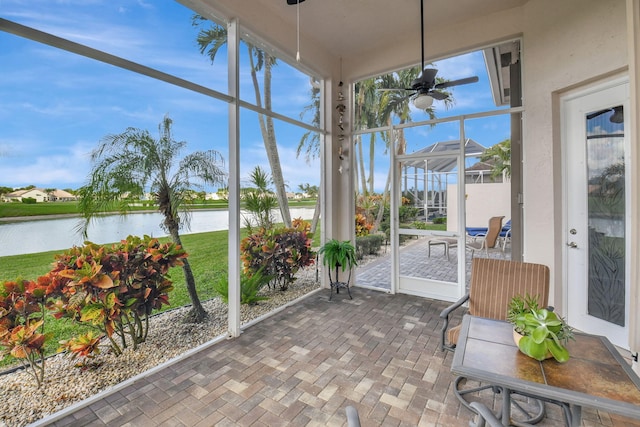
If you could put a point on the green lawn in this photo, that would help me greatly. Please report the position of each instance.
(208, 257)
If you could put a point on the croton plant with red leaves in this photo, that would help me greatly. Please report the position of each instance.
(22, 309)
(113, 288)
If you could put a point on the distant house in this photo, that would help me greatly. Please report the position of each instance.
(35, 193)
(39, 195)
(219, 195)
(61, 196)
(480, 173)
(294, 196)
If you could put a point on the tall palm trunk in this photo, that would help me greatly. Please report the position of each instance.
(385, 196)
(197, 313)
(372, 160)
(269, 136)
(400, 149)
(363, 180)
(316, 215)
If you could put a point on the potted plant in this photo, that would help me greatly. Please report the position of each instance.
(539, 332)
(338, 254)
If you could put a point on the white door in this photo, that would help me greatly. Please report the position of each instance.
(596, 226)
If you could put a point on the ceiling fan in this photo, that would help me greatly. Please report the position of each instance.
(425, 86)
(616, 117)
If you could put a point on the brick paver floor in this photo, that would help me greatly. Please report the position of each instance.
(302, 367)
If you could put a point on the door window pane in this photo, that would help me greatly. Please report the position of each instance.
(606, 214)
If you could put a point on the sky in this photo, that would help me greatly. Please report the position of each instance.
(55, 107)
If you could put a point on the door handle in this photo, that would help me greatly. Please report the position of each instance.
(573, 245)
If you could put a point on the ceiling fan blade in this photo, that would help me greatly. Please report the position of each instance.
(597, 113)
(437, 95)
(425, 80)
(616, 117)
(389, 89)
(468, 80)
(428, 74)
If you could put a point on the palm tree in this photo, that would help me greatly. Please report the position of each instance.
(210, 41)
(500, 155)
(367, 116)
(310, 144)
(132, 162)
(385, 100)
(310, 141)
(259, 201)
(313, 191)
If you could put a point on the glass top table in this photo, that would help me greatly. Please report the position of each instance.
(596, 375)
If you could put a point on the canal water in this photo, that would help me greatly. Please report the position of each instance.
(26, 237)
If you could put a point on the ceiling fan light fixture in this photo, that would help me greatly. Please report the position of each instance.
(618, 115)
(423, 101)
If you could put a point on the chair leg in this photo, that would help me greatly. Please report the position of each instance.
(460, 392)
(484, 416)
(353, 419)
(527, 416)
(530, 416)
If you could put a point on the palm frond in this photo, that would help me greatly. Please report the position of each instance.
(128, 164)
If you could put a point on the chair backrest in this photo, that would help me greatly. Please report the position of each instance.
(495, 281)
(495, 227)
(506, 229)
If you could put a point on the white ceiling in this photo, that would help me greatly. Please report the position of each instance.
(350, 29)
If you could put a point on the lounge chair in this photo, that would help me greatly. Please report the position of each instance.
(505, 235)
(490, 240)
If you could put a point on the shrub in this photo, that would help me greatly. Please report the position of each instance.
(278, 253)
(419, 225)
(363, 227)
(249, 287)
(440, 220)
(22, 308)
(113, 288)
(29, 201)
(368, 245)
(407, 213)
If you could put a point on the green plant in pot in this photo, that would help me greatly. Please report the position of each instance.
(543, 332)
(338, 254)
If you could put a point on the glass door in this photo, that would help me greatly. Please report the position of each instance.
(597, 285)
(430, 248)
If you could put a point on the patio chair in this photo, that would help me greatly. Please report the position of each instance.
(505, 235)
(488, 241)
(493, 283)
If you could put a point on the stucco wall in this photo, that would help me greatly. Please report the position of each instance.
(482, 202)
(565, 44)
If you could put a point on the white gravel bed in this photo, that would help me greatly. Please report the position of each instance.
(23, 403)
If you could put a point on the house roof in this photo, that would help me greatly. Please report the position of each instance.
(446, 164)
(61, 194)
(19, 193)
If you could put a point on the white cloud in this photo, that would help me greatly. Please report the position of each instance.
(68, 168)
(294, 171)
(458, 67)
